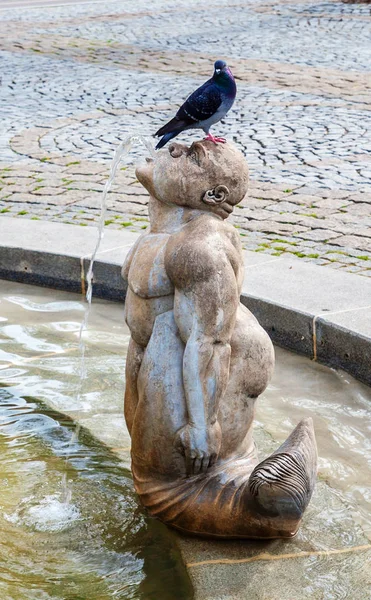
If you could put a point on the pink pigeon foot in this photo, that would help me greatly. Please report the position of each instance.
(216, 140)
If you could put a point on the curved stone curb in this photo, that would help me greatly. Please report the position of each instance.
(312, 310)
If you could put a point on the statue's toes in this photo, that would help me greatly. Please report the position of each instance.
(282, 485)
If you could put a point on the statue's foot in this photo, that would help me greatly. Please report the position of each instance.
(216, 140)
(282, 485)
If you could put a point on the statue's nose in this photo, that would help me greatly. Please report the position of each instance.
(177, 150)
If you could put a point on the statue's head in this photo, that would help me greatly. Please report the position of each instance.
(205, 176)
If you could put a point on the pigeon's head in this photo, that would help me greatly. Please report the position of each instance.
(205, 176)
(222, 71)
(223, 76)
(219, 67)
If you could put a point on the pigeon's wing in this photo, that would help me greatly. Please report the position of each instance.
(200, 105)
(176, 124)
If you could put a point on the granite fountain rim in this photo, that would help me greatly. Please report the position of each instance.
(316, 311)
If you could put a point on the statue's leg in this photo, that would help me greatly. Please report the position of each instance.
(251, 368)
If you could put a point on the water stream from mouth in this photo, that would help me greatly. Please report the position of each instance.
(121, 151)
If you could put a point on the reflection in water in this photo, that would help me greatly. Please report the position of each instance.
(102, 545)
(341, 409)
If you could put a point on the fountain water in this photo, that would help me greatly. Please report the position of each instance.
(121, 151)
(100, 545)
(106, 547)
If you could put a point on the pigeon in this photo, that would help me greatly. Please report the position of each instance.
(205, 107)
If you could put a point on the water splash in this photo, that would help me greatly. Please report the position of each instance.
(49, 515)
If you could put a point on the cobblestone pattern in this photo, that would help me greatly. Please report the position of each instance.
(77, 79)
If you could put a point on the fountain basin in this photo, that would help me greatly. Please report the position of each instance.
(40, 373)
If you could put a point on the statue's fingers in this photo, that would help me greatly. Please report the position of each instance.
(205, 464)
(197, 464)
(189, 464)
(212, 460)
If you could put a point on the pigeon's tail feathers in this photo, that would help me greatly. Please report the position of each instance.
(174, 125)
(167, 137)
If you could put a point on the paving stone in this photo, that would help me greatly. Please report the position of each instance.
(331, 204)
(46, 191)
(359, 209)
(318, 235)
(360, 197)
(283, 207)
(90, 169)
(304, 199)
(354, 241)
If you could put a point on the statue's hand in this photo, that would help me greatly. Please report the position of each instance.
(200, 447)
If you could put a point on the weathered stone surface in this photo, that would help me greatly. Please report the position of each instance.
(198, 359)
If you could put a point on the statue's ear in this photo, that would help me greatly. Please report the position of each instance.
(217, 195)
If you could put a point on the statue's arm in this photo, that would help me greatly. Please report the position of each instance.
(205, 305)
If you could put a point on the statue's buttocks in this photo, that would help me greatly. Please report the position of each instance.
(198, 359)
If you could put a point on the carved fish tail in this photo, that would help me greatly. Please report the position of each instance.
(205, 504)
(236, 500)
(281, 486)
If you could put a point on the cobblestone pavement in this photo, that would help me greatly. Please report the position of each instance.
(76, 79)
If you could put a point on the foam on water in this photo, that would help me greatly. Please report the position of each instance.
(48, 515)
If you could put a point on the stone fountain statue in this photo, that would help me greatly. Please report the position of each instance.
(198, 360)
